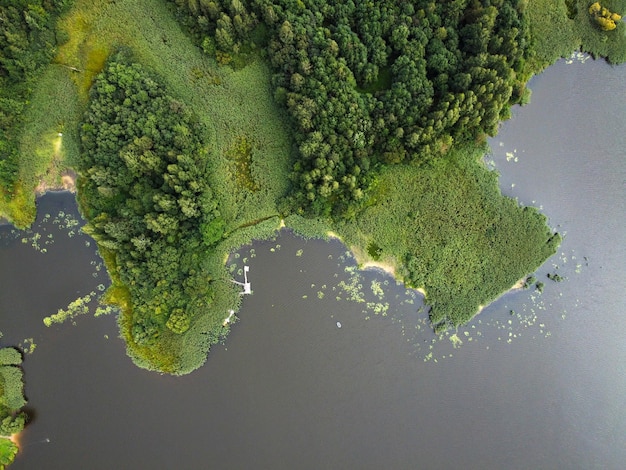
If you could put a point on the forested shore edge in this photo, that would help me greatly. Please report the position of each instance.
(12, 402)
(197, 126)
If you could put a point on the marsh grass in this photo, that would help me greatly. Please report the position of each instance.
(309, 227)
(44, 155)
(240, 155)
(448, 230)
(54, 110)
(10, 357)
(232, 104)
(560, 27)
(12, 397)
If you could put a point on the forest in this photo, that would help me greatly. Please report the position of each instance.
(199, 125)
(145, 177)
(367, 84)
(374, 83)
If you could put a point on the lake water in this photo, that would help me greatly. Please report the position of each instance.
(311, 378)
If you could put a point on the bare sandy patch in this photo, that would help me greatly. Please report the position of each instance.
(15, 439)
(387, 267)
(66, 181)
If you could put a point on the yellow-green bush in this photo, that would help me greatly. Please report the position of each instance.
(604, 18)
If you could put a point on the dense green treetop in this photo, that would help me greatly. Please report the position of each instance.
(149, 201)
(370, 83)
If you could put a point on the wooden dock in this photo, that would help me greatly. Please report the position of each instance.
(247, 288)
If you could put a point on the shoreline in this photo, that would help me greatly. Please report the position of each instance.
(67, 183)
(379, 265)
(519, 285)
(388, 268)
(388, 265)
(391, 269)
(363, 261)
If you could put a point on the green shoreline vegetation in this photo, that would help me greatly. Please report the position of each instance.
(197, 126)
(12, 418)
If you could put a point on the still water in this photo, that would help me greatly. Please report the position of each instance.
(310, 377)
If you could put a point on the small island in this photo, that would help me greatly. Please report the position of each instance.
(198, 126)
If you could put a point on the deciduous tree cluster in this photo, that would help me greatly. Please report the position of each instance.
(145, 176)
(603, 17)
(369, 83)
(222, 27)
